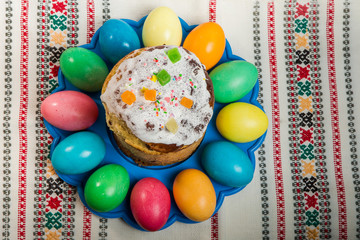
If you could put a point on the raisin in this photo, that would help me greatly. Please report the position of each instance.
(199, 128)
(149, 126)
(196, 71)
(194, 64)
(207, 118)
(183, 122)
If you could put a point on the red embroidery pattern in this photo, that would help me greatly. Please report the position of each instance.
(90, 32)
(306, 135)
(24, 99)
(212, 11)
(280, 200)
(58, 7)
(303, 72)
(90, 20)
(335, 121)
(302, 10)
(311, 201)
(215, 227)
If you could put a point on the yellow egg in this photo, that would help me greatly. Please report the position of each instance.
(194, 194)
(241, 122)
(162, 26)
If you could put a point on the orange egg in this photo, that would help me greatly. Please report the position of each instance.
(207, 41)
(194, 194)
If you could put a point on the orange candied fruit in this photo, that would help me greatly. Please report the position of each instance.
(150, 94)
(186, 102)
(128, 97)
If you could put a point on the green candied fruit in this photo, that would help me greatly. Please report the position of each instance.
(163, 77)
(174, 55)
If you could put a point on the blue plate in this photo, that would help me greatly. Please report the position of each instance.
(165, 174)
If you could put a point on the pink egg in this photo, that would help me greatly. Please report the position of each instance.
(150, 203)
(70, 110)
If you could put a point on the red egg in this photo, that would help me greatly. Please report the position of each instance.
(70, 110)
(150, 203)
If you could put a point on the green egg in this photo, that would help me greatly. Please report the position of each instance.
(233, 80)
(107, 187)
(83, 68)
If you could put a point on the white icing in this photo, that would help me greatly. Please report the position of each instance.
(141, 112)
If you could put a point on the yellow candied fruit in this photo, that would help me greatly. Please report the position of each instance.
(172, 125)
(143, 89)
(153, 78)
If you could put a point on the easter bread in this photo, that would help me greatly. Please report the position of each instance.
(158, 102)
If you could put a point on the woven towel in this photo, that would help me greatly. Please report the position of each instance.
(306, 181)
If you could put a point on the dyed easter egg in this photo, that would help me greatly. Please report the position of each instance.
(78, 153)
(227, 164)
(241, 122)
(194, 194)
(69, 110)
(83, 68)
(150, 203)
(117, 39)
(162, 26)
(107, 187)
(233, 80)
(208, 42)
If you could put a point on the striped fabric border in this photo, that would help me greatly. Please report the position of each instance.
(321, 184)
(56, 44)
(103, 222)
(293, 115)
(335, 120)
(90, 20)
(351, 110)
(295, 74)
(42, 137)
(73, 22)
(261, 152)
(6, 160)
(106, 10)
(69, 193)
(306, 94)
(212, 10)
(215, 218)
(22, 121)
(90, 32)
(280, 198)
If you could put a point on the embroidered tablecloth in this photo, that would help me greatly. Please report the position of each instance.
(306, 181)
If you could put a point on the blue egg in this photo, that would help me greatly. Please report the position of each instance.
(227, 164)
(78, 153)
(117, 39)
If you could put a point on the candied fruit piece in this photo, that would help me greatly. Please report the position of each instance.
(172, 125)
(186, 102)
(174, 55)
(153, 78)
(143, 89)
(163, 77)
(150, 94)
(128, 97)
